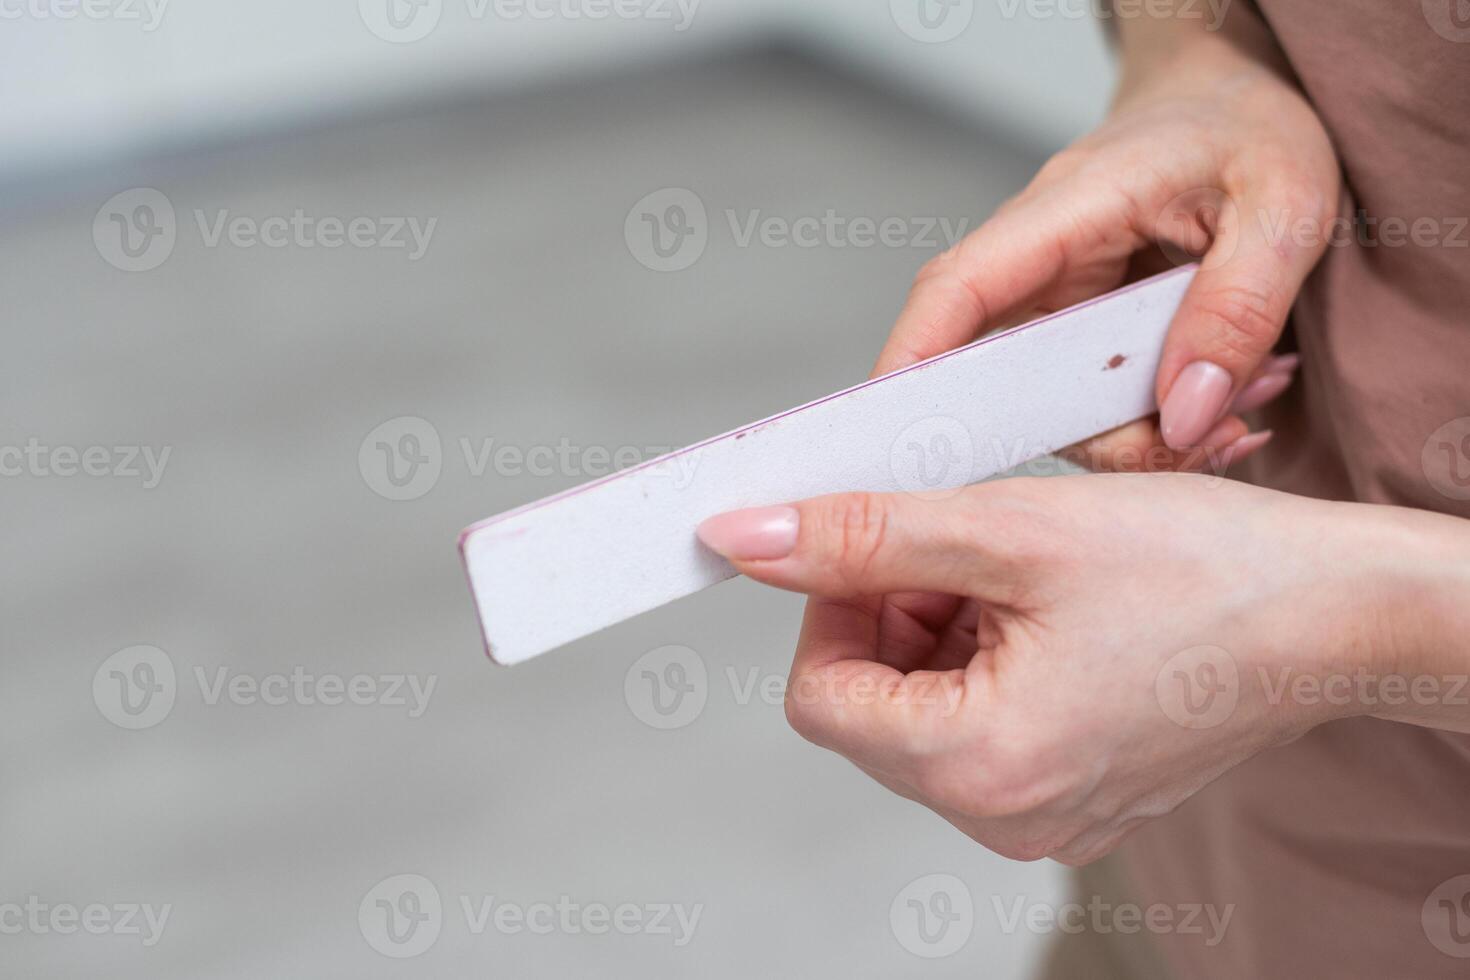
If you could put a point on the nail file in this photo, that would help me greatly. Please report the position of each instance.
(565, 567)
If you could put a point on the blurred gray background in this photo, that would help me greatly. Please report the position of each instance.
(178, 629)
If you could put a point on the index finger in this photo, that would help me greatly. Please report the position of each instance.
(996, 272)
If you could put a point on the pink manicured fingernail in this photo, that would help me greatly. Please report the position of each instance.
(1244, 446)
(1283, 364)
(1194, 404)
(759, 534)
(1260, 391)
(1218, 438)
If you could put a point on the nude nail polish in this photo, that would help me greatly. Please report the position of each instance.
(1194, 404)
(1245, 446)
(758, 534)
(1259, 392)
(1283, 363)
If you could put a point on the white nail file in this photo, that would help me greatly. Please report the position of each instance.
(565, 567)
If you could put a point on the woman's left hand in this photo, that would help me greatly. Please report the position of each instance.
(1050, 663)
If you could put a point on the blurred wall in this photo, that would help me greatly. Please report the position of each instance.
(85, 80)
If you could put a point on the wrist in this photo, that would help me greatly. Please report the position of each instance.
(1169, 56)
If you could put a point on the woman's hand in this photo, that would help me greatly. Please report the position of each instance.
(1050, 663)
(1209, 152)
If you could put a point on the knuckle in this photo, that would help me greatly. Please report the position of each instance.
(1246, 317)
(857, 526)
(1024, 533)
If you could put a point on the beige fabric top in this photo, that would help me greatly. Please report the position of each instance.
(1331, 849)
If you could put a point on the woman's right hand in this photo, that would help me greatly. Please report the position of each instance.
(1210, 152)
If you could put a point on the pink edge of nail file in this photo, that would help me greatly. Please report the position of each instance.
(565, 567)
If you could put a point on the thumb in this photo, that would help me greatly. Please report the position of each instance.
(1234, 311)
(853, 544)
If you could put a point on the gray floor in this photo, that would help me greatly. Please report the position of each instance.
(264, 548)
